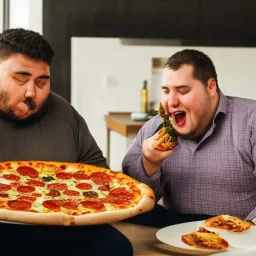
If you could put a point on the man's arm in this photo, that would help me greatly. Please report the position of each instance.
(252, 215)
(152, 159)
(142, 161)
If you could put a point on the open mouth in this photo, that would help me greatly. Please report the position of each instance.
(180, 118)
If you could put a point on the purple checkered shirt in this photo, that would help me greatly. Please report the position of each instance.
(215, 175)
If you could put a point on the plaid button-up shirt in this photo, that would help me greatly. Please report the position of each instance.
(215, 175)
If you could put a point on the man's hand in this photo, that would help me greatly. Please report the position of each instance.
(152, 159)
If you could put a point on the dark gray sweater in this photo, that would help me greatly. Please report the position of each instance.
(60, 134)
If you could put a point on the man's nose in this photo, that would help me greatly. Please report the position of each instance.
(173, 99)
(30, 90)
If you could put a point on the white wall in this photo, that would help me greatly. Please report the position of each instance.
(26, 14)
(18, 13)
(35, 20)
(94, 59)
(1, 15)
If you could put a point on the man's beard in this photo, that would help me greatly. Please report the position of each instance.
(8, 114)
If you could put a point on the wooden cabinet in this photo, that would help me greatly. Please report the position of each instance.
(161, 19)
(173, 19)
(194, 22)
(228, 20)
(126, 18)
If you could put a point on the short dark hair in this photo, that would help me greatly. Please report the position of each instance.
(27, 42)
(203, 66)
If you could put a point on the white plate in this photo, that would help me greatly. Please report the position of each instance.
(171, 235)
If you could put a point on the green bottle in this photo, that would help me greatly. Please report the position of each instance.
(144, 98)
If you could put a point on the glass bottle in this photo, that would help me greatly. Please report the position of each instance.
(144, 98)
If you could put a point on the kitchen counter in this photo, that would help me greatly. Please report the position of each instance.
(121, 123)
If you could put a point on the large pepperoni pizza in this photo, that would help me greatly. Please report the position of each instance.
(56, 193)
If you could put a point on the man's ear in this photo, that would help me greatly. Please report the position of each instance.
(212, 87)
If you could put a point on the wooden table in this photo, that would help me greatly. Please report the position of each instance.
(144, 241)
(121, 123)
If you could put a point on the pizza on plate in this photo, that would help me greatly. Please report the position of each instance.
(59, 193)
(167, 137)
(227, 222)
(205, 239)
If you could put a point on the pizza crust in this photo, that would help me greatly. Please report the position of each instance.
(55, 218)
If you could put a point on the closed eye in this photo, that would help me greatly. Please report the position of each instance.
(21, 81)
(165, 90)
(183, 89)
(21, 78)
(41, 82)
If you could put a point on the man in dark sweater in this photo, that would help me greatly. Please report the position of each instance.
(37, 124)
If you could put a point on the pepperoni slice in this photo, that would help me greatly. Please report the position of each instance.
(104, 188)
(119, 196)
(19, 205)
(36, 183)
(52, 204)
(57, 186)
(27, 171)
(63, 167)
(37, 194)
(25, 189)
(100, 178)
(116, 200)
(84, 186)
(4, 187)
(71, 193)
(11, 177)
(80, 175)
(32, 210)
(27, 198)
(8, 166)
(93, 205)
(15, 184)
(4, 195)
(71, 205)
(64, 175)
(120, 192)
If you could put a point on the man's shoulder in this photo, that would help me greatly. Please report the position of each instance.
(243, 104)
(243, 110)
(242, 100)
(55, 98)
(59, 107)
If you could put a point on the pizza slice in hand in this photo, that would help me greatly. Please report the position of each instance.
(167, 137)
(205, 239)
(229, 223)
